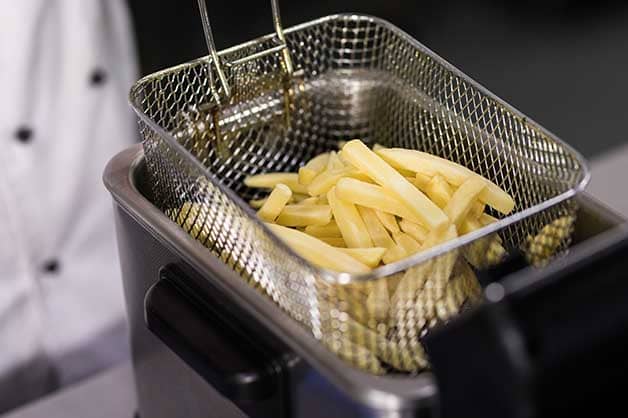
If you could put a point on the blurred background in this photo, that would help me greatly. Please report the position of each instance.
(561, 62)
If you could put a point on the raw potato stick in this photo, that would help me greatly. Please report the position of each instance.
(388, 220)
(394, 253)
(309, 201)
(275, 203)
(304, 215)
(334, 163)
(477, 209)
(372, 196)
(353, 353)
(317, 251)
(416, 231)
(337, 242)
(409, 244)
(328, 179)
(369, 256)
(438, 237)
(329, 230)
(439, 191)
(375, 167)
(270, 180)
(349, 222)
(421, 180)
(463, 198)
(313, 168)
(455, 174)
(376, 229)
(378, 300)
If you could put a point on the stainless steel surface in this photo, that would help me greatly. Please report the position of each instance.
(140, 222)
(608, 178)
(149, 240)
(362, 77)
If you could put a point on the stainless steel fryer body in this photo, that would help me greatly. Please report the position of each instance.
(320, 384)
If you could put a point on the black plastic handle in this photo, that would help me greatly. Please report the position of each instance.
(203, 335)
(546, 343)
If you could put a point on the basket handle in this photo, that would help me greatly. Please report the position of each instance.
(211, 46)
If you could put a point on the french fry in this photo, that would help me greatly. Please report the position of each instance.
(409, 244)
(483, 252)
(455, 174)
(439, 191)
(312, 168)
(309, 201)
(337, 242)
(304, 215)
(375, 167)
(486, 219)
(329, 230)
(378, 300)
(353, 353)
(372, 196)
(421, 180)
(416, 231)
(328, 179)
(270, 180)
(257, 203)
(193, 218)
(334, 163)
(349, 221)
(394, 253)
(385, 349)
(369, 256)
(317, 251)
(543, 246)
(388, 220)
(477, 209)
(469, 225)
(436, 237)
(275, 203)
(376, 229)
(298, 197)
(463, 198)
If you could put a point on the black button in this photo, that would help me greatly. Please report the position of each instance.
(24, 134)
(51, 266)
(98, 77)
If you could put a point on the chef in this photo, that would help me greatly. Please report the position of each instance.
(65, 69)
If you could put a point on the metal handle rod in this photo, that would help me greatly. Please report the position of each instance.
(211, 46)
(279, 29)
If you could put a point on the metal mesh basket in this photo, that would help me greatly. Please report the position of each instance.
(354, 77)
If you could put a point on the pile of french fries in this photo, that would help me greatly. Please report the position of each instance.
(356, 209)
(359, 208)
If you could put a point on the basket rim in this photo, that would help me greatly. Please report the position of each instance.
(334, 277)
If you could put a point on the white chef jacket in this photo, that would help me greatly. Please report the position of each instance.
(65, 70)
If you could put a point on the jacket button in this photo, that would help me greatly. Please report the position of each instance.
(51, 266)
(98, 77)
(24, 134)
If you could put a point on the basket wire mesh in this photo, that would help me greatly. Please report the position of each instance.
(353, 77)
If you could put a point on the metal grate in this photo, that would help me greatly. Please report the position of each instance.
(355, 77)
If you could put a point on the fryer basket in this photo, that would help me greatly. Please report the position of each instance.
(354, 77)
